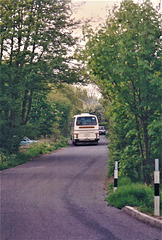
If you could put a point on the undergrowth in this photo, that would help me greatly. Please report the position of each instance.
(8, 160)
(132, 194)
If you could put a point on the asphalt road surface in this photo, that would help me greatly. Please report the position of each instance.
(60, 196)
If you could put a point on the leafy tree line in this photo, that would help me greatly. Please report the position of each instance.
(125, 58)
(35, 38)
(68, 100)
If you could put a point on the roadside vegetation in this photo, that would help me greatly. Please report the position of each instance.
(123, 59)
(26, 153)
(132, 194)
(32, 64)
(36, 73)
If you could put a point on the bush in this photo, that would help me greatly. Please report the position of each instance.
(132, 194)
(8, 160)
(44, 146)
(124, 181)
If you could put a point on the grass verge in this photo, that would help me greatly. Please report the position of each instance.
(132, 194)
(26, 153)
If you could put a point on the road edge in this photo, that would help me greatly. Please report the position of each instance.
(143, 217)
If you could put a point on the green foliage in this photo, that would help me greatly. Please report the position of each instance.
(123, 143)
(124, 181)
(8, 160)
(124, 57)
(49, 117)
(72, 95)
(155, 133)
(34, 55)
(42, 117)
(63, 114)
(98, 110)
(44, 146)
(132, 194)
(69, 100)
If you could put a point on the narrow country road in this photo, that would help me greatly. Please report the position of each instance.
(60, 196)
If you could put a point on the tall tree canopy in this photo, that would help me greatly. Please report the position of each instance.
(35, 40)
(125, 58)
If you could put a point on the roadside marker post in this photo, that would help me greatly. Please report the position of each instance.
(116, 176)
(156, 189)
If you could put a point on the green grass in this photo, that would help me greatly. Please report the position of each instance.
(26, 153)
(132, 194)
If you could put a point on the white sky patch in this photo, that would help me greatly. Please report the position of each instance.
(115, 1)
(95, 12)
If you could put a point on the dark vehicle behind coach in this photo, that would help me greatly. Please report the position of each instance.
(102, 130)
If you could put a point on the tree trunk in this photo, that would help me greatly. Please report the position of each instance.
(24, 107)
(146, 162)
(137, 122)
(29, 107)
(1, 55)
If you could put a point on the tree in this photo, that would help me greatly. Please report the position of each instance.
(98, 110)
(42, 117)
(73, 95)
(35, 42)
(125, 57)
